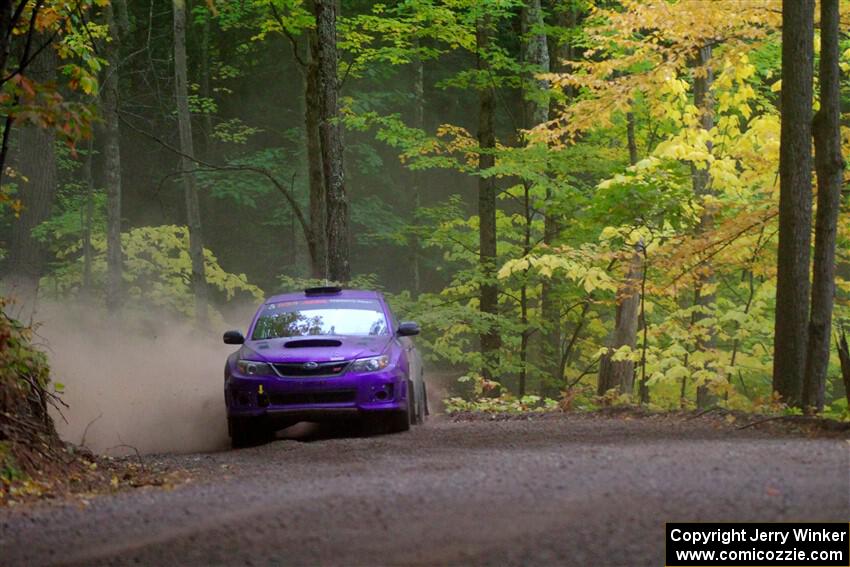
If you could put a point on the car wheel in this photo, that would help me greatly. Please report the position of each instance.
(245, 433)
(397, 421)
(418, 414)
(427, 410)
(380, 422)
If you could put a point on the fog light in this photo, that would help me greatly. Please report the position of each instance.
(383, 393)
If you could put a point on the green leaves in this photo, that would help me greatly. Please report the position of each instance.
(234, 131)
(157, 270)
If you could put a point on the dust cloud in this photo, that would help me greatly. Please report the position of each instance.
(147, 382)
(143, 383)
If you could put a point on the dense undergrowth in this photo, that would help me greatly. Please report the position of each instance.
(29, 445)
(490, 397)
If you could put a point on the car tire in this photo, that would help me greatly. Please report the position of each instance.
(245, 433)
(397, 421)
(381, 422)
(427, 410)
(418, 412)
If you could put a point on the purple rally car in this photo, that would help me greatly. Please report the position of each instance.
(325, 353)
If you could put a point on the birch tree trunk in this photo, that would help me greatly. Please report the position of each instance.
(184, 124)
(795, 201)
(830, 170)
(336, 200)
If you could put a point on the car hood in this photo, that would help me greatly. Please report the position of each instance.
(315, 348)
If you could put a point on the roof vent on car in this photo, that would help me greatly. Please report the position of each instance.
(325, 290)
(310, 343)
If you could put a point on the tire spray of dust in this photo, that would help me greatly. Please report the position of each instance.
(142, 383)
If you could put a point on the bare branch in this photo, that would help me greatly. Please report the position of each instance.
(296, 208)
(289, 36)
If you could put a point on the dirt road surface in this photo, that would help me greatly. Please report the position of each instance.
(567, 491)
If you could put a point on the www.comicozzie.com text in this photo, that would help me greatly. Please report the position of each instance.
(743, 534)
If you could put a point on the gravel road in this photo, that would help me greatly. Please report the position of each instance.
(572, 490)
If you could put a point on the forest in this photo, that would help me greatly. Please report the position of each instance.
(584, 203)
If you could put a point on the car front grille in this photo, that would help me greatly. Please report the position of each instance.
(307, 370)
(309, 398)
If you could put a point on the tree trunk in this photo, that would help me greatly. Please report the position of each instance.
(630, 138)
(523, 301)
(489, 292)
(6, 26)
(336, 200)
(88, 179)
(795, 201)
(416, 176)
(844, 359)
(122, 16)
(701, 179)
(534, 52)
(643, 385)
(830, 170)
(26, 255)
(184, 124)
(550, 307)
(316, 243)
(112, 166)
(8, 22)
(620, 374)
(205, 86)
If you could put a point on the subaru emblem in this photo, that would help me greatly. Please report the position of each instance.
(311, 365)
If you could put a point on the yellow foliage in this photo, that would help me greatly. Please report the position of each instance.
(157, 269)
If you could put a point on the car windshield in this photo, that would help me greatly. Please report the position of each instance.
(321, 317)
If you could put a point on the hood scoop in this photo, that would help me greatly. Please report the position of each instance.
(311, 343)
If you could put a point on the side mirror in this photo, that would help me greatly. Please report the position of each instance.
(408, 329)
(233, 338)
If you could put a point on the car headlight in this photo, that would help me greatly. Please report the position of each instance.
(252, 368)
(370, 364)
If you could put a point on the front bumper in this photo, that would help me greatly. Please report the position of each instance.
(319, 398)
